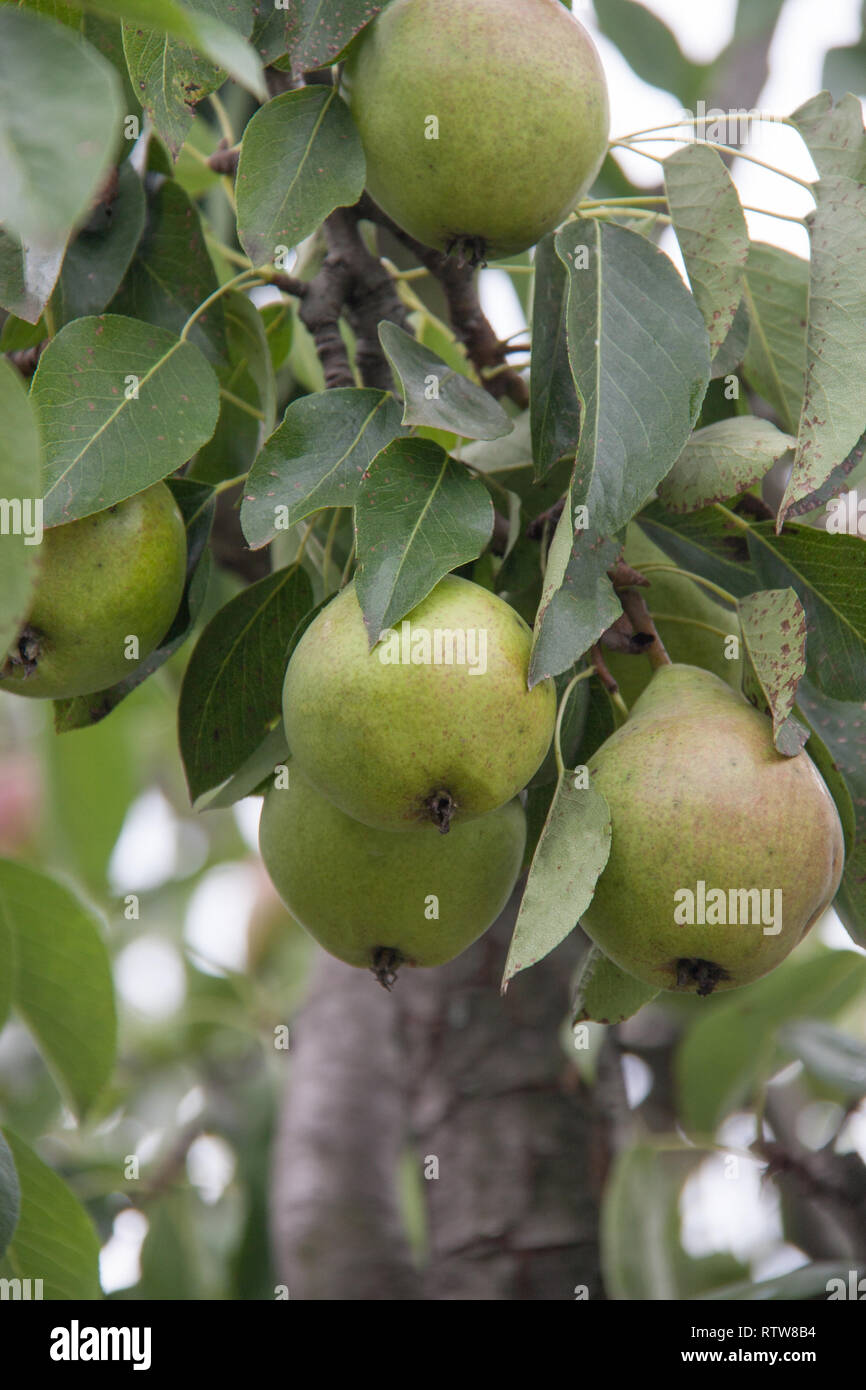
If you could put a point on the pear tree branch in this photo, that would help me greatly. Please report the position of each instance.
(352, 281)
(485, 350)
(635, 608)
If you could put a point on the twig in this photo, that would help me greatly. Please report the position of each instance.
(621, 637)
(608, 681)
(457, 278)
(27, 359)
(352, 281)
(635, 608)
(539, 524)
(224, 160)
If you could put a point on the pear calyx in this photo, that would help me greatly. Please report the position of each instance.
(699, 975)
(385, 964)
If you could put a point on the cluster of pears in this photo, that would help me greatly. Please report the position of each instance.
(723, 852)
(483, 122)
(399, 836)
(110, 577)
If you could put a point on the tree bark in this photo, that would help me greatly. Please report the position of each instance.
(335, 1222)
(449, 1068)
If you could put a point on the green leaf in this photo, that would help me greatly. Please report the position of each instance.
(231, 695)
(97, 260)
(777, 295)
(28, 276)
(578, 602)
(832, 417)
(639, 356)
(418, 516)
(570, 855)
(257, 769)
(553, 404)
(10, 1196)
(279, 324)
(812, 1282)
(196, 502)
(845, 70)
(196, 178)
(203, 32)
(731, 352)
(733, 1046)
(842, 731)
(508, 462)
(20, 489)
(706, 544)
(170, 78)
(171, 1266)
(832, 1057)
(850, 471)
(274, 32)
(836, 783)
(249, 354)
(773, 627)
(62, 983)
(172, 273)
(640, 359)
(100, 444)
(18, 333)
(755, 20)
(828, 574)
(326, 29)
(436, 395)
(59, 123)
(723, 460)
(834, 135)
(54, 1239)
(650, 48)
(99, 772)
(316, 458)
(640, 1224)
(309, 136)
(606, 994)
(247, 392)
(712, 233)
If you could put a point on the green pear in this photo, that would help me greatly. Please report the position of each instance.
(483, 121)
(408, 733)
(684, 641)
(380, 899)
(111, 576)
(699, 796)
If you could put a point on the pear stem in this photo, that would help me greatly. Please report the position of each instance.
(692, 622)
(607, 680)
(619, 702)
(557, 736)
(710, 144)
(635, 608)
(656, 565)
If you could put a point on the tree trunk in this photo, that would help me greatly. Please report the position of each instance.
(450, 1070)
